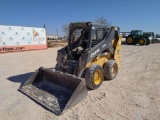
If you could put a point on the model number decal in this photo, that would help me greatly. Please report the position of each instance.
(104, 46)
(94, 53)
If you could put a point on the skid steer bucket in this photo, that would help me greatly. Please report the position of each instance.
(54, 90)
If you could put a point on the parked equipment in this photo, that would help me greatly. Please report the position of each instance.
(157, 39)
(124, 36)
(151, 35)
(137, 37)
(93, 56)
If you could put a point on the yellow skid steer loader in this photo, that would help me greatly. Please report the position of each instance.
(92, 55)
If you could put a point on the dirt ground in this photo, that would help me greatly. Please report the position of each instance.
(133, 95)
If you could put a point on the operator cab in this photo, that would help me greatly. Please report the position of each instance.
(84, 36)
(136, 32)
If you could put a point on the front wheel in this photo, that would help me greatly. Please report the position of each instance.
(94, 76)
(129, 40)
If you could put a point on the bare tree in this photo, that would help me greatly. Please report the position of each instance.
(102, 20)
(65, 29)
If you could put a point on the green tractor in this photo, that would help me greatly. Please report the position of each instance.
(137, 37)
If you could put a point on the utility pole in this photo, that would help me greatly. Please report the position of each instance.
(44, 26)
(57, 35)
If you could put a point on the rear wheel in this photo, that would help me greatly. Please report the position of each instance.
(142, 41)
(110, 69)
(129, 40)
(148, 42)
(94, 76)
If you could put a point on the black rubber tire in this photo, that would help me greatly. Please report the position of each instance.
(89, 76)
(143, 40)
(108, 69)
(148, 42)
(56, 66)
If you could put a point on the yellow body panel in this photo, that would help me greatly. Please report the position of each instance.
(117, 51)
(100, 60)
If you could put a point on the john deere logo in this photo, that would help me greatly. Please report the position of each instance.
(35, 33)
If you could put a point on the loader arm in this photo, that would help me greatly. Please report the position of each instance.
(106, 44)
(117, 49)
